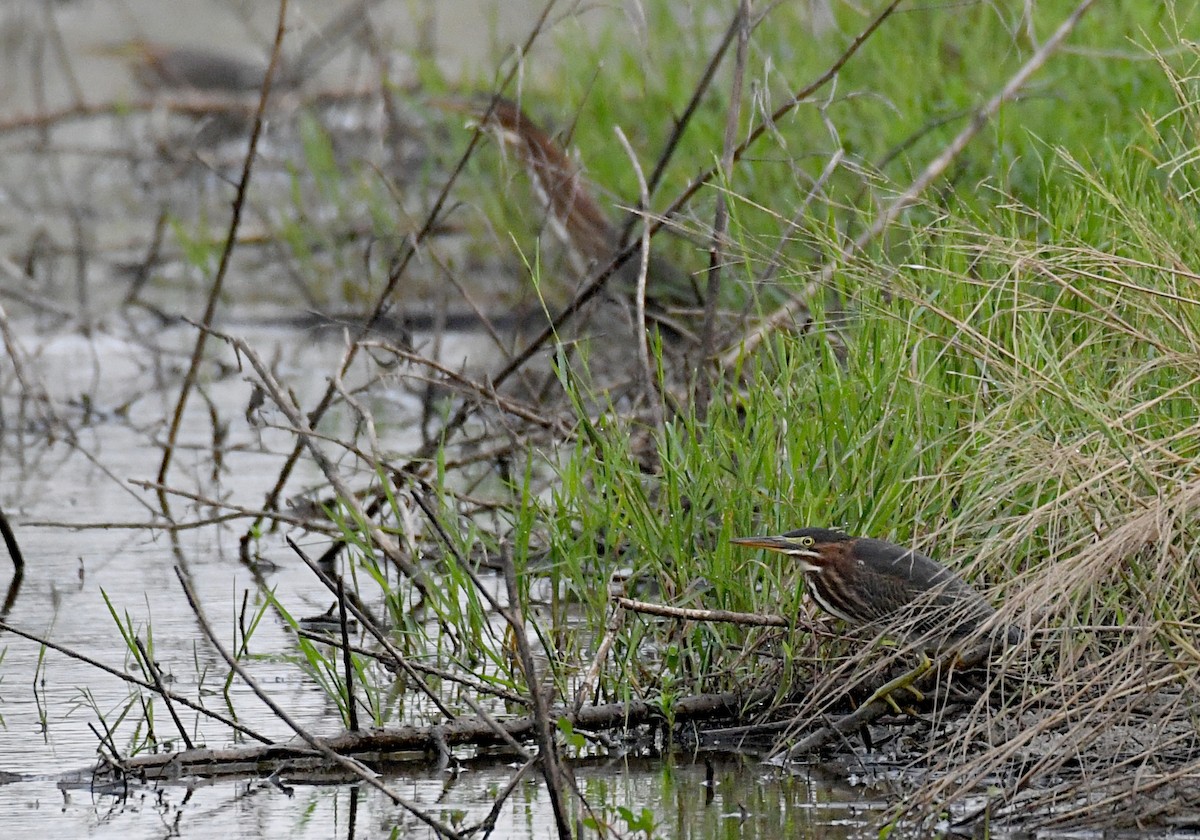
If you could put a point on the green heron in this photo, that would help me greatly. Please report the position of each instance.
(869, 582)
(165, 67)
(574, 215)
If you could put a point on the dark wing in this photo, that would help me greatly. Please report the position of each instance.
(940, 600)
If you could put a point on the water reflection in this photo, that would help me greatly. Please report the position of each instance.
(724, 796)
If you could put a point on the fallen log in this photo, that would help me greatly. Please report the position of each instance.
(406, 742)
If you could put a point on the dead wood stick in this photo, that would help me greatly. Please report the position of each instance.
(218, 280)
(10, 541)
(555, 773)
(402, 742)
(588, 684)
(687, 614)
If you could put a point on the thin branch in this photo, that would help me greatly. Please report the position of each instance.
(687, 614)
(553, 770)
(716, 253)
(652, 397)
(10, 542)
(218, 283)
(347, 658)
(152, 668)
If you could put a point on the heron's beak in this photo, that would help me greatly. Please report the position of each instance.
(783, 545)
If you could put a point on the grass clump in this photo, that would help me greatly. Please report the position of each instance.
(1007, 381)
(1012, 389)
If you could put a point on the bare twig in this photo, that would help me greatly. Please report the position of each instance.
(488, 823)
(588, 683)
(716, 252)
(10, 542)
(654, 402)
(223, 267)
(235, 512)
(702, 86)
(347, 658)
(151, 667)
(35, 392)
(498, 728)
(688, 614)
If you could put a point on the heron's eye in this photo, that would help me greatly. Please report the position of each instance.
(806, 541)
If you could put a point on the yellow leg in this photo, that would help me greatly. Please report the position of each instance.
(904, 681)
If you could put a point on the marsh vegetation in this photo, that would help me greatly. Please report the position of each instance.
(944, 290)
